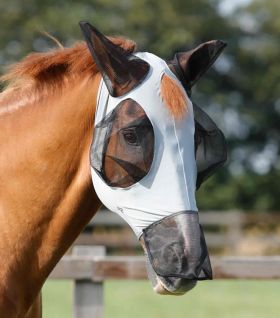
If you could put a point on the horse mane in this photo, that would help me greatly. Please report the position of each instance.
(51, 67)
(38, 71)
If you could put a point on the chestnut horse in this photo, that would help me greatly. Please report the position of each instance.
(46, 118)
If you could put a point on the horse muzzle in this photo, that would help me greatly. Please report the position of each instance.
(177, 255)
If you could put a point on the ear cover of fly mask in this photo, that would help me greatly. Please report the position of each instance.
(210, 143)
(121, 70)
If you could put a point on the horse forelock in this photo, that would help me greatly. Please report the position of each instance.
(173, 97)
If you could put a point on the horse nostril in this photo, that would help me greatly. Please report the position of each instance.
(177, 286)
(161, 290)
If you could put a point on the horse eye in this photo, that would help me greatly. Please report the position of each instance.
(130, 137)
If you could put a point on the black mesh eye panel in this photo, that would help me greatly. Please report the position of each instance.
(123, 146)
(210, 145)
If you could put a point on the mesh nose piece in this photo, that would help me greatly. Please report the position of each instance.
(165, 286)
(172, 285)
(151, 273)
(176, 248)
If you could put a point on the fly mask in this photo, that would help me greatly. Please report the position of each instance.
(146, 164)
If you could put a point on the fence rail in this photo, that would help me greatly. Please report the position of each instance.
(89, 267)
(227, 235)
(133, 267)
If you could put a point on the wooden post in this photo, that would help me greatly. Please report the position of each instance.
(235, 231)
(88, 295)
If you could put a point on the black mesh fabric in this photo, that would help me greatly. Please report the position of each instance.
(121, 70)
(210, 145)
(176, 248)
(123, 145)
(176, 285)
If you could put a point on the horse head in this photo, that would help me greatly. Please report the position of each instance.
(151, 150)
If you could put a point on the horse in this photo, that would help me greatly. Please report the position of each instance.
(47, 113)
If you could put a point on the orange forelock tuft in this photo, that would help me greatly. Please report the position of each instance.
(174, 97)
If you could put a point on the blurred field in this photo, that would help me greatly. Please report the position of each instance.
(217, 299)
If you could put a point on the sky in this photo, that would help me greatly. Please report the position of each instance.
(228, 6)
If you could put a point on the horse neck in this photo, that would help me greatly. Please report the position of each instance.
(46, 195)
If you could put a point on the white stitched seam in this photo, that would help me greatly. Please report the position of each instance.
(182, 161)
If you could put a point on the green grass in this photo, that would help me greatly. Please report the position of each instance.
(57, 299)
(211, 299)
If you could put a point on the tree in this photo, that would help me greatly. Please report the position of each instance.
(252, 116)
(241, 91)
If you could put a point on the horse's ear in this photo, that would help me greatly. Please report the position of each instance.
(191, 65)
(121, 70)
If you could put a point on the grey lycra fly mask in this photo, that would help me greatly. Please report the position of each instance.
(146, 165)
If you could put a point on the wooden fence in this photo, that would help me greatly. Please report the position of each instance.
(223, 230)
(89, 267)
